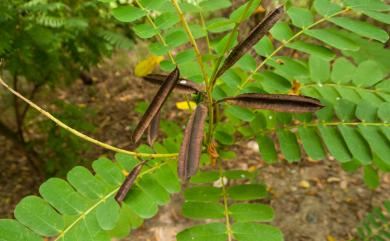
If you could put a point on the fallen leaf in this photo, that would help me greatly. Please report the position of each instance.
(147, 65)
(330, 238)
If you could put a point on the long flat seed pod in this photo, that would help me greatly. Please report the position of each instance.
(255, 35)
(156, 104)
(184, 86)
(280, 103)
(153, 129)
(191, 147)
(128, 183)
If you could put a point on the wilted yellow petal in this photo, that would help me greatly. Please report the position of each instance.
(330, 238)
(147, 65)
(183, 105)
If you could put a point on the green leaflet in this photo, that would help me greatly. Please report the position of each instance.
(333, 38)
(11, 230)
(203, 210)
(311, 142)
(371, 177)
(127, 13)
(256, 232)
(301, 17)
(247, 192)
(289, 145)
(251, 212)
(362, 28)
(210, 231)
(38, 215)
(319, 69)
(267, 149)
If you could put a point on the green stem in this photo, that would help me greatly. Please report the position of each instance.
(203, 24)
(225, 201)
(192, 40)
(79, 134)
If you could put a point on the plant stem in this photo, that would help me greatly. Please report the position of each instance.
(225, 201)
(19, 127)
(203, 24)
(192, 40)
(81, 135)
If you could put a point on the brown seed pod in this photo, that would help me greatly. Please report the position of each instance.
(153, 129)
(280, 103)
(156, 104)
(191, 147)
(128, 183)
(184, 86)
(255, 35)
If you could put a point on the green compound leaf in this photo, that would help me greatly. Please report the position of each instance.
(256, 232)
(84, 208)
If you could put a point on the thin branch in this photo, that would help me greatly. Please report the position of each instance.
(34, 91)
(192, 40)
(18, 119)
(81, 135)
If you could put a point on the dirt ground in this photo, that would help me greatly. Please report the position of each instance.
(313, 201)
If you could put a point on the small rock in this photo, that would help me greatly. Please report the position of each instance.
(253, 146)
(333, 179)
(304, 184)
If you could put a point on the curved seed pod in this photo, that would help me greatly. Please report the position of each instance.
(191, 147)
(184, 86)
(156, 104)
(128, 183)
(280, 103)
(255, 35)
(153, 129)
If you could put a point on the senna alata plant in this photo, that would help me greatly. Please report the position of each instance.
(308, 81)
